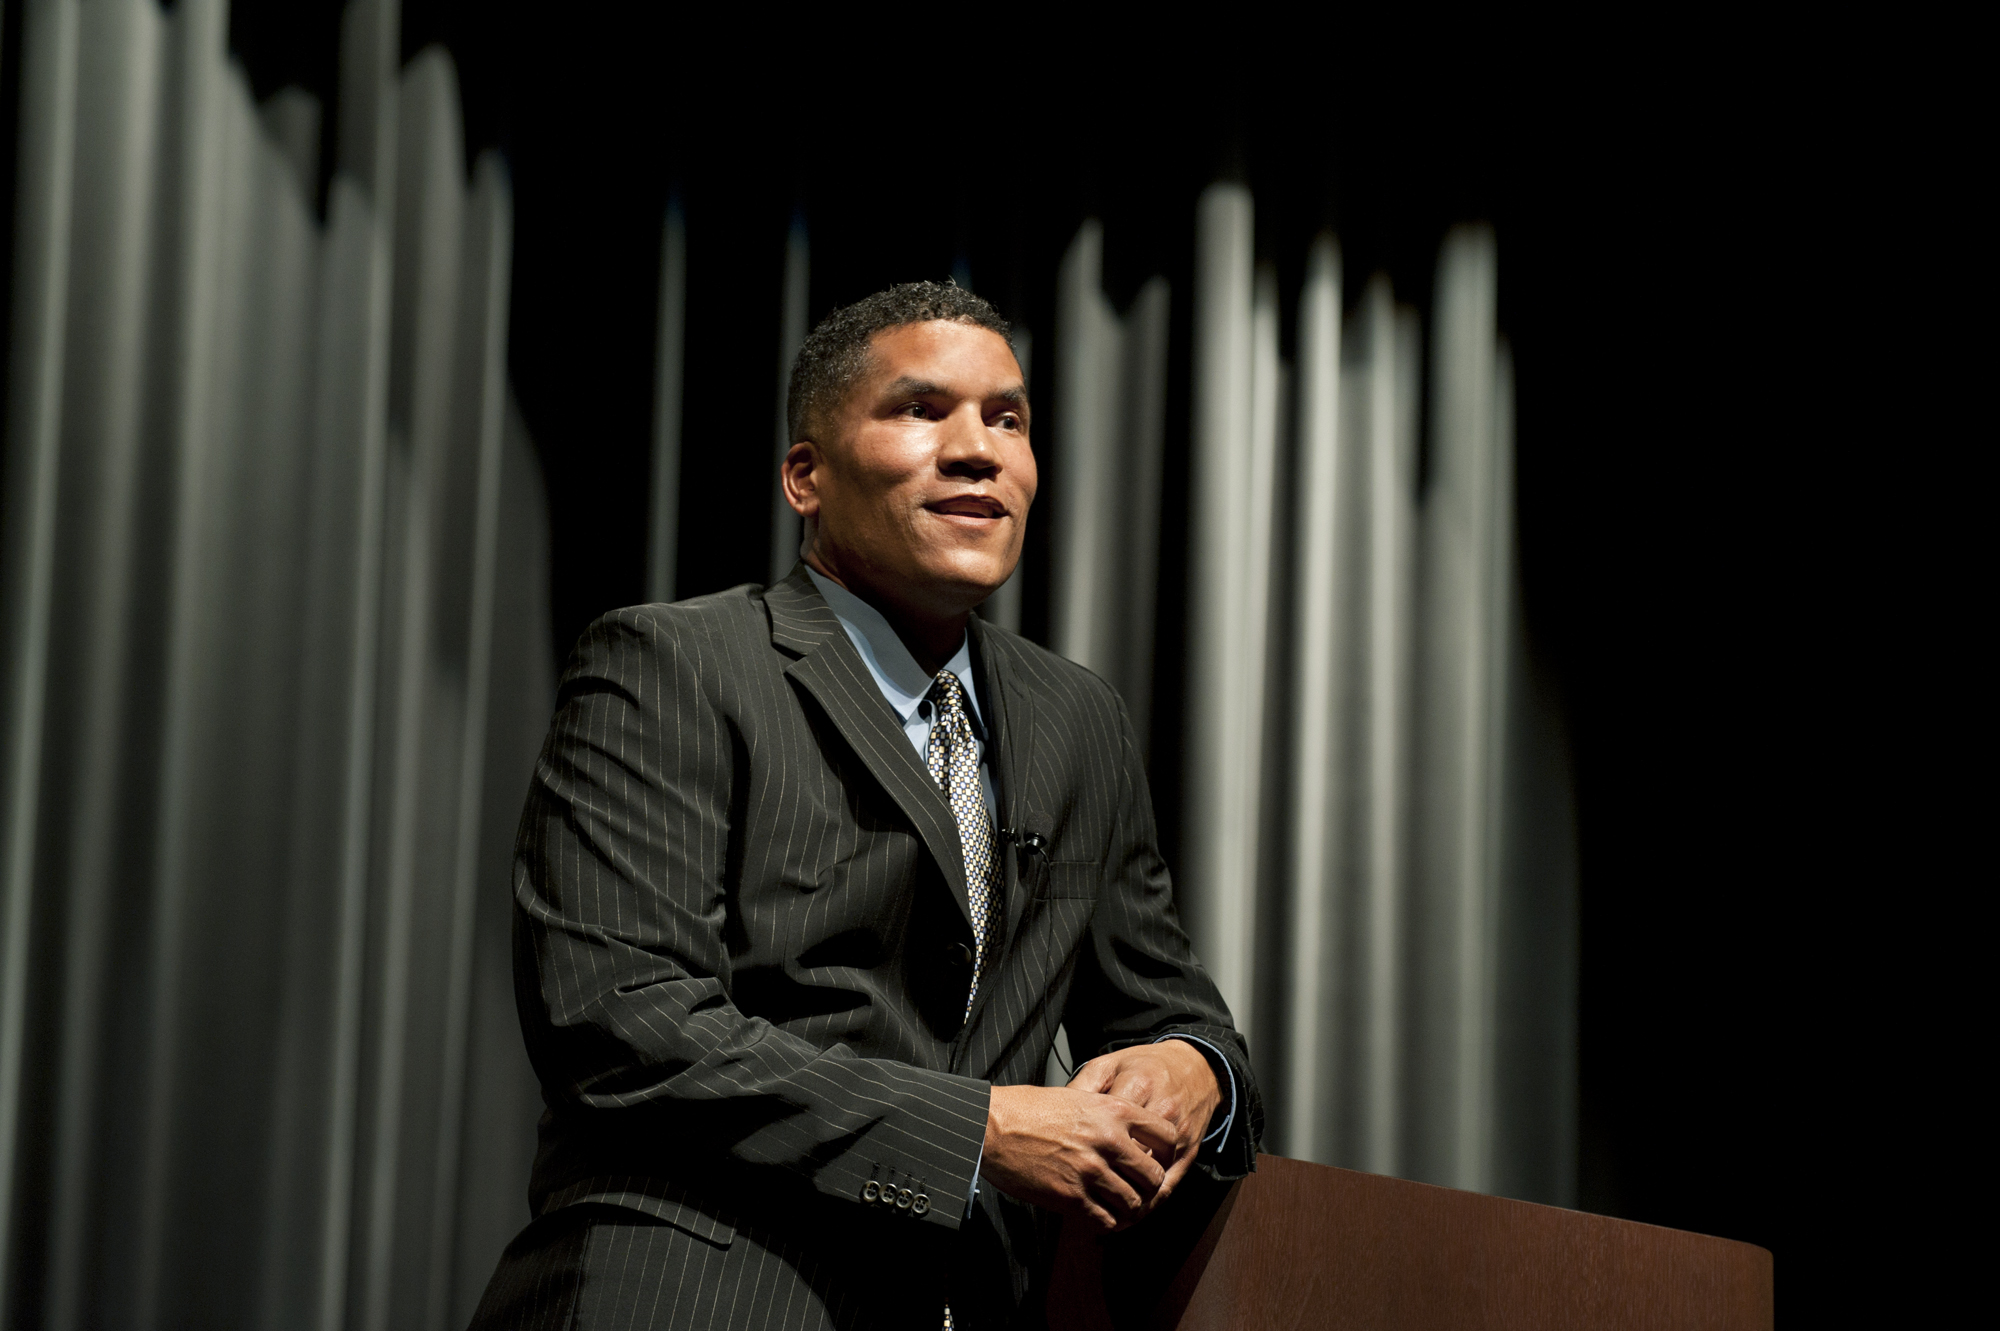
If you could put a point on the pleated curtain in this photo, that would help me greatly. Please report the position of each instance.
(1377, 837)
(278, 665)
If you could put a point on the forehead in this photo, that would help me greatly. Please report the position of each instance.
(959, 356)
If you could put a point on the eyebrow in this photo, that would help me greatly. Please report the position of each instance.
(1015, 396)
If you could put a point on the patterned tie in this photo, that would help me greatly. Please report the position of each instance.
(954, 764)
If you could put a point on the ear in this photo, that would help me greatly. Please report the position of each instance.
(799, 474)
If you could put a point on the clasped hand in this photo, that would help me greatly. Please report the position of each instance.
(1114, 1143)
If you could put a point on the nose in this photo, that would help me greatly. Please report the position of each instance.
(965, 444)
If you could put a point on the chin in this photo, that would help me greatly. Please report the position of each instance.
(973, 575)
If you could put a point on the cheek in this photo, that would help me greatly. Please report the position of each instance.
(1026, 475)
(892, 483)
(865, 499)
(899, 512)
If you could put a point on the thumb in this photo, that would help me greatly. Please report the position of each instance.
(1094, 1076)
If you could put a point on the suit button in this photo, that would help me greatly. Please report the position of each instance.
(920, 1204)
(958, 954)
(903, 1200)
(872, 1191)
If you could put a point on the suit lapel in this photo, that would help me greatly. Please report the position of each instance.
(831, 671)
(1010, 722)
(1012, 729)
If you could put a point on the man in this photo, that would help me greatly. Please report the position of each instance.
(807, 879)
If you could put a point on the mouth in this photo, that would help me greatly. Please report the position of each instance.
(972, 507)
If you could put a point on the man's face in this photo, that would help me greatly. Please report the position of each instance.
(923, 496)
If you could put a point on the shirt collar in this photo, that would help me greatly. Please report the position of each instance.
(902, 681)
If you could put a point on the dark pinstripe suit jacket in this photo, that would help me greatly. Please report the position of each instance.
(740, 931)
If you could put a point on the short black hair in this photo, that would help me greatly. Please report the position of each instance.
(835, 355)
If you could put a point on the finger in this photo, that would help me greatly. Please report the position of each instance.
(1137, 1165)
(1174, 1177)
(1121, 1208)
(1094, 1076)
(1152, 1131)
(1104, 1218)
(1127, 1178)
(1124, 1184)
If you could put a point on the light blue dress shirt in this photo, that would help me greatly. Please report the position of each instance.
(904, 686)
(903, 683)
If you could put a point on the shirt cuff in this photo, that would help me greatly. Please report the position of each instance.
(1215, 1060)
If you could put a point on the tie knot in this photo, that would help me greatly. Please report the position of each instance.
(947, 694)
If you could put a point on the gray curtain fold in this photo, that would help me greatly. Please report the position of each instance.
(278, 632)
(1378, 843)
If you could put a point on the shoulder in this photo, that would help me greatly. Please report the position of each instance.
(698, 636)
(1054, 681)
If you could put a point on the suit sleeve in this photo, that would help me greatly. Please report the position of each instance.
(1138, 980)
(622, 893)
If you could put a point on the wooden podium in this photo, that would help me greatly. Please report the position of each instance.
(1302, 1245)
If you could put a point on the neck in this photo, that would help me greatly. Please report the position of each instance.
(933, 639)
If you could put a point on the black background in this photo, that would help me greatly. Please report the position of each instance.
(1661, 209)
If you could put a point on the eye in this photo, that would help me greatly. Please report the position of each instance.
(917, 410)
